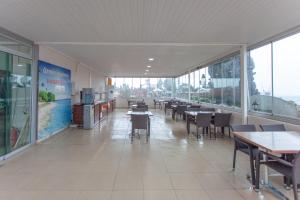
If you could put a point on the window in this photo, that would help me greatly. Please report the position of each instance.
(15, 102)
(195, 84)
(260, 79)
(273, 71)
(182, 90)
(142, 87)
(286, 70)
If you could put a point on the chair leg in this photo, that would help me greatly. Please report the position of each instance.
(223, 131)
(132, 134)
(252, 165)
(229, 132)
(234, 157)
(257, 166)
(197, 133)
(295, 189)
(215, 132)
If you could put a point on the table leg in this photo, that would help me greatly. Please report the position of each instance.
(268, 185)
(188, 124)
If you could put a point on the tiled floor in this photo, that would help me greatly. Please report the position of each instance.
(102, 164)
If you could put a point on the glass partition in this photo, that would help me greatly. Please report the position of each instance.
(260, 79)
(218, 83)
(143, 87)
(286, 86)
(15, 102)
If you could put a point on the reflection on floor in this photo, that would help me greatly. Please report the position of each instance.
(102, 164)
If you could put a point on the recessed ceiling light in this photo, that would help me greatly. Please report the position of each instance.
(151, 59)
(20, 65)
(147, 70)
(149, 66)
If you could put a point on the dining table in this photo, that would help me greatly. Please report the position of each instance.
(276, 143)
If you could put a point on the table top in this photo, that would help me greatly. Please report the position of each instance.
(273, 142)
(194, 113)
(139, 113)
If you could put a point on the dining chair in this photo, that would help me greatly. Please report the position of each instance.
(291, 170)
(244, 147)
(140, 109)
(221, 120)
(168, 106)
(278, 127)
(207, 109)
(272, 127)
(203, 120)
(140, 121)
(157, 103)
(180, 110)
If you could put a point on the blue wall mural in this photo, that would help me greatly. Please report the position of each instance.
(54, 99)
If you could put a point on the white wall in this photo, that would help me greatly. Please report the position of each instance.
(81, 74)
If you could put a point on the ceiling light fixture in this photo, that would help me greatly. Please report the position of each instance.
(151, 59)
(149, 66)
(20, 65)
(147, 70)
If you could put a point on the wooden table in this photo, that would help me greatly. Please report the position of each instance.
(281, 142)
(193, 114)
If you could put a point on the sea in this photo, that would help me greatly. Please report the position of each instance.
(61, 115)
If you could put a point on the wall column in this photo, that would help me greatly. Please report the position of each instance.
(189, 83)
(34, 94)
(173, 88)
(244, 84)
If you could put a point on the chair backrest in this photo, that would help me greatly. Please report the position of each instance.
(243, 128)
(168, 104)
(181, 109)
(142, 106)
(140, 103)
(296, 168)
(203, 119)
(207, 109)
(222, 119)
(195, 106)
(139, 121)
(193, 109)
(140, 109)
(272, 127)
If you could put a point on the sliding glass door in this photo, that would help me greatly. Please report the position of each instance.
(20, 82)
(5, 64)
(15, 102)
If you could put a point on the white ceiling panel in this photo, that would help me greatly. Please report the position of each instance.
(147, 21)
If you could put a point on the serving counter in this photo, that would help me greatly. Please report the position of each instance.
(100, 108)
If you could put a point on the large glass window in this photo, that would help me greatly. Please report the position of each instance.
(273, 70)
(142, 87)
(218, 83)
(260, 79)
(286, 70)
(182, 90)
(15, 102)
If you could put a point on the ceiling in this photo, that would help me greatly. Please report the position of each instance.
(117, 37)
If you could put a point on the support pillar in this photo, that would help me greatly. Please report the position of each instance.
(244, 84)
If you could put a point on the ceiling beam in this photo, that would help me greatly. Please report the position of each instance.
(139, 44)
